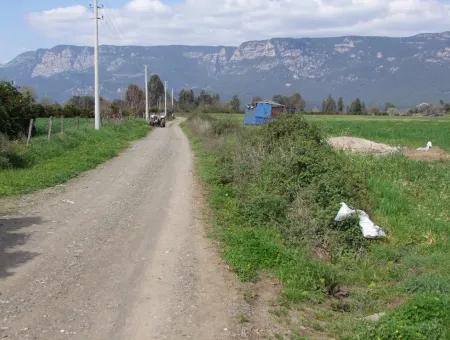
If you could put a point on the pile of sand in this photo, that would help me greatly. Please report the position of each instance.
(361, 145)
(365, 146)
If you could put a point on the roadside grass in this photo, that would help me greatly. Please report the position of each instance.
(47, 163)
(405, 276)
(68, 125)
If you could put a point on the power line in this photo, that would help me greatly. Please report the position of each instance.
(116, 29)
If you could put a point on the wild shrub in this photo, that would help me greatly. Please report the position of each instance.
(9, 155)
(287, 176)
(15, 110)
(4, 151)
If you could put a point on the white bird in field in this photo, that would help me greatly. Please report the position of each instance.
(426, 148)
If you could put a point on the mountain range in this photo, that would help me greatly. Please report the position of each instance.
(405, 71)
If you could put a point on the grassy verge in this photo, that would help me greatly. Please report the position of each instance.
(273, 209)
(44, 164)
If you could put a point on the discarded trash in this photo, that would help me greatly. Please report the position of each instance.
(368, 228)
(68, 202)
(426, 148)
(375, 317)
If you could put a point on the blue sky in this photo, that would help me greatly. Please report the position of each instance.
(31, 24)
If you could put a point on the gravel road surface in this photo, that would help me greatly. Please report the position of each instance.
(118, 253)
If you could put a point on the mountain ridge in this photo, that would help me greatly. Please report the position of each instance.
(403, 70)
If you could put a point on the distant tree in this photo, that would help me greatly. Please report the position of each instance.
(294, 103)
(186, 99)
(78, 106)
(388, 106)
(156, 90)
(29, 92)
(256, 99)
(446, 107)
(235, 104)
(207, 99)
(47, 101)
(375, 111)
(340, 105)
(329, 105)
(355, 107)
(297, 102)
(278, 98)
(393, 111)
(135, 100)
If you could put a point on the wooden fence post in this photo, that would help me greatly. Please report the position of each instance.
(50, 123)
(30, 129)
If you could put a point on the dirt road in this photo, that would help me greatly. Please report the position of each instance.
(118, 253)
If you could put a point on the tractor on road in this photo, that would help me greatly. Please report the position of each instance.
(158, 120)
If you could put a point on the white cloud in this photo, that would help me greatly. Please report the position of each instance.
(230, 22)
(69, 23)
(151, 6)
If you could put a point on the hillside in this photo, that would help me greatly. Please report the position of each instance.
(378, 69)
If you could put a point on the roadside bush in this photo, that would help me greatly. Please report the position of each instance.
(286, 175)
(9, 157)
(4, 151)
(15, 110)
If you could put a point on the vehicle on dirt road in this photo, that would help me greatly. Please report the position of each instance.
(158, 120)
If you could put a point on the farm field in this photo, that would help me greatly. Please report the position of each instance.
(47, 163)
(405, 131)
(405, 277)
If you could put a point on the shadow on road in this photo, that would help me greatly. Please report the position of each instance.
(10, 236)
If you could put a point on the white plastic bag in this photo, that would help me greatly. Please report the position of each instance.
(426, 148)
(344, 213)
(368, 228)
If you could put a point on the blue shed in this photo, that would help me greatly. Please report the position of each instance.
(262, 113)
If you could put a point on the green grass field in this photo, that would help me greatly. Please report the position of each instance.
(404, 131)
(47, 163)
(405, 276)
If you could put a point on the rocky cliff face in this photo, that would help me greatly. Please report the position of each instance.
(377, 69)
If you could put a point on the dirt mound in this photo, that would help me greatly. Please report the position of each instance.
(361, 145)
(434, 154)
(365, 146)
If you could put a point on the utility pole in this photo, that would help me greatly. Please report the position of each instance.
(172, 101)
(96, 68)
(146, 93)
(165, 99)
